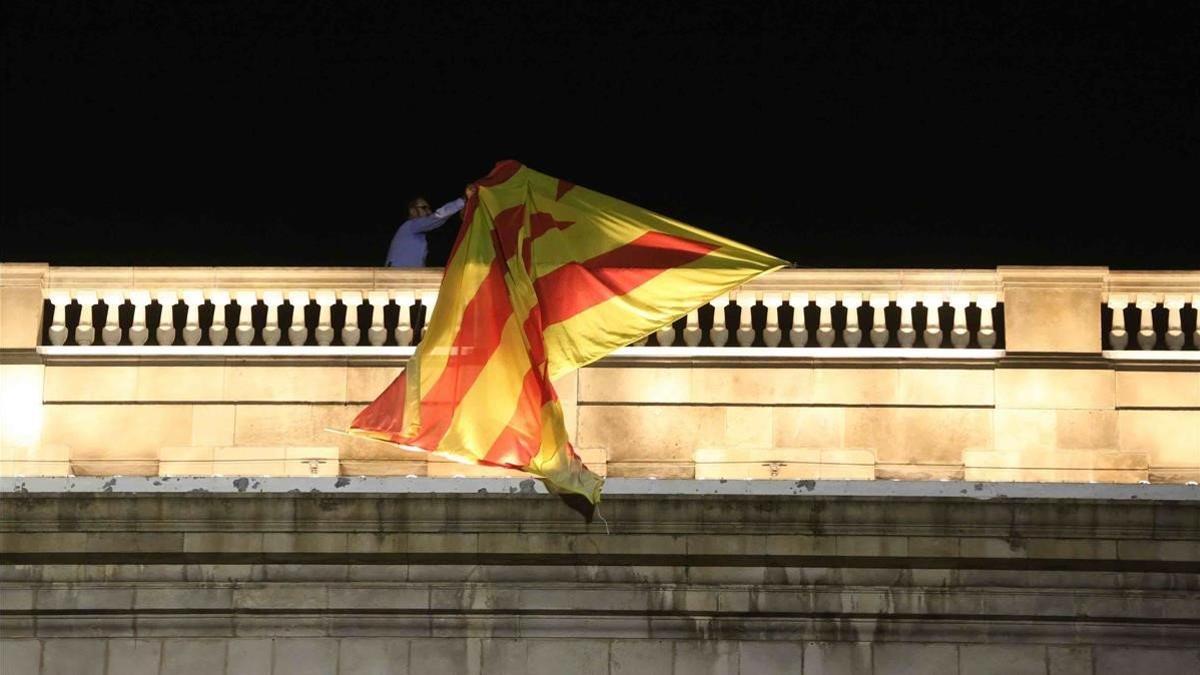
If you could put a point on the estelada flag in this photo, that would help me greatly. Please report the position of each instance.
(544, 277)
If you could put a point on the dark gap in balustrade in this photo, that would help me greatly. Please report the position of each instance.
(337, 321)
(787, 319)
(205, 313)
(891, 321)
(391, 318)
(998, 325)
(47, 322)
(419, 316)
(312, 317)
(71, 315)
(1187, 320)
(258, 321)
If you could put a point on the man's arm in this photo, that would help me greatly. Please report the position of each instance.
(434, 220)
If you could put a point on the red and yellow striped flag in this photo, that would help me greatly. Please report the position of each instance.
(545, 277)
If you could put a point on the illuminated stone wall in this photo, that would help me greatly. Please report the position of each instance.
(1048, 402)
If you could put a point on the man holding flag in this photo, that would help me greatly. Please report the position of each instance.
(545, 277)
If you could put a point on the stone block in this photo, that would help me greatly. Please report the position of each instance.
(836, 658)
(1086, 429)
(748, 427)
(71, 384)
(914, 659)
(918, 435)
(365, 383)
(134, 657)
(1069, 660)
(1055, 389)
(285, 384)
(249, 656)
(250, 460)
(20, 656)
(306, 542)
(438, 655)
(751, 385)
(1119, 659)
(640, 657)
(73, 656)
(586, 657)
(635, 385)
(212, 424)
(20, 316)
(946, 386)
(185, 461)
(919, 472)
(693, 657)
(373, 656)
(202, 384)
(770, 657)
(297, 656)
(856, 386)
(1158, 389)
(1171, 438)
(383, 467)
(124, 437)
(274, 425)
(78, 597)
(1051, 318)
(1009, 659)
(649, 433)
(800, 427)
(226, 542)
(378, 597)
(681, 470)
(193, 655)
(502, 656)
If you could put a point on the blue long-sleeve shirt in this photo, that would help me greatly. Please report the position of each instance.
(409, 248)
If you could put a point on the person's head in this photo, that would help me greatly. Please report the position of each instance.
(418, 206)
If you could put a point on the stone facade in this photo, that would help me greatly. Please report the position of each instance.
(693, 577)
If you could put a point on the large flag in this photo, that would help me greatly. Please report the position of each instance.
(545, 277)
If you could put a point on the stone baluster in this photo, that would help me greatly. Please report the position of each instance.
(852, 336)
(1146, 336)
(879, 331)
(110, 335)
(377, 333)
(933, 326)
(960, 337)
(691, 328)
(429, 302)
(986, 302)
(907, 335)
(798, 335)
(244, 332)
(404, 328)
(272, 332)
(218, 332)
(825, 334)
(165, 335)
(85, 332)
(745, 331)
(351, 333)
(191, 318)
(1174, 337)
(772, 335)
(324, 332)
(58, 321)
(665, 335)
(298, 331)
(719, 333)
(1196, 309)
(138, 333)
(1118, 336)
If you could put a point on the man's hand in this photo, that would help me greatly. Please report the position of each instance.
(469, 191)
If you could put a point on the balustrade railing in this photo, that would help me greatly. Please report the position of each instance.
(1148, 311)
(791, 309)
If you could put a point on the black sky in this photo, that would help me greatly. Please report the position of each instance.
(939, 134)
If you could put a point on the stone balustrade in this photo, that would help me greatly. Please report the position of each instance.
(386, 308)
(1159, 309)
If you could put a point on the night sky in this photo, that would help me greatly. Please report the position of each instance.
(889, 134)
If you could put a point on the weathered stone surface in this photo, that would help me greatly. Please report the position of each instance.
(135, 657)
(186, 656)
(20, 656)
(374, 656)
(249, 656)
(836, 658)
(915, 659)
(297, 656)
(73, 657)
(1006, 659)
(770, 657)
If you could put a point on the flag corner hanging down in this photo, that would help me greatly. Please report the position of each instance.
(544, 278)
